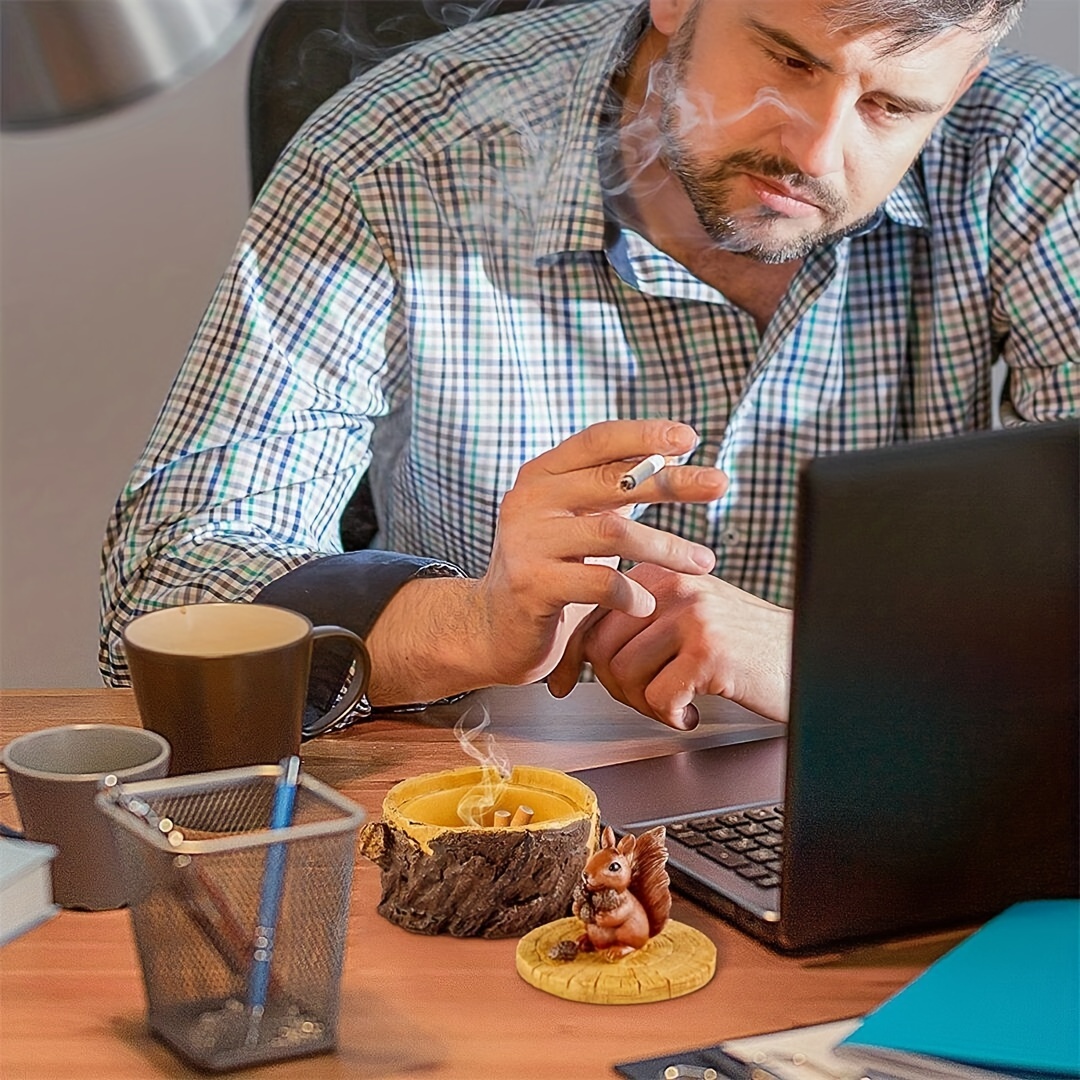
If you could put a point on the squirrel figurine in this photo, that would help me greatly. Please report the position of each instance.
(623, 897)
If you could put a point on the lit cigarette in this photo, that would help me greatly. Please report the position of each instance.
(642, 471)
(522, 816)
(502, 819)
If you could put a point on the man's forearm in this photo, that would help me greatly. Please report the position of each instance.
(428, 643)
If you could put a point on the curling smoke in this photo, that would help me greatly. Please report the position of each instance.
(479, 801)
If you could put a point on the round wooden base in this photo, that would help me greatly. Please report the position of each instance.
(679, 960)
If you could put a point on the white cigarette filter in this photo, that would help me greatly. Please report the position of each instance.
(642, 471)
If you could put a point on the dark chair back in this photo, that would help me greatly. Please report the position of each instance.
(306, 52)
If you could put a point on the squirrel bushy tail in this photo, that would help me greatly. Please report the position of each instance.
(650, 883)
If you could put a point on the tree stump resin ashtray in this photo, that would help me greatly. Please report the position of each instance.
(452, 862)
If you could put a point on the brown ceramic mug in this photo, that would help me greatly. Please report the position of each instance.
(226, 683)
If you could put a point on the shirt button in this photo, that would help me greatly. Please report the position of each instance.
(731, 537)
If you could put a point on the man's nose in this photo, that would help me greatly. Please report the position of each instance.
(814, 140)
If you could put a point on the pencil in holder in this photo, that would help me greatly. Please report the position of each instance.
(204, 867)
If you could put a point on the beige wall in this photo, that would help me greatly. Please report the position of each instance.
(113, 233)
(112, 236)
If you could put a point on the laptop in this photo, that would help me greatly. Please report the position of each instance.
(928, 776)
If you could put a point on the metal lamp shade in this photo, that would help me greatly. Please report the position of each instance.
(66, 60)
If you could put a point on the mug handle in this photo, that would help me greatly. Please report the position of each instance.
(357, 684)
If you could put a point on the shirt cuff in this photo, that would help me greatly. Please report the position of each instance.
(349, 590)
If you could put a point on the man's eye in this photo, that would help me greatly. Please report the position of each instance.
(793, 63)
(890, 109)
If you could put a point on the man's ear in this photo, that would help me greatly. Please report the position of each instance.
(666, 15)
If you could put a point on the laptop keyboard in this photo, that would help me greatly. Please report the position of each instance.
(747, 841)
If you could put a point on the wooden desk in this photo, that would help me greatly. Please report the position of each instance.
(71, 995)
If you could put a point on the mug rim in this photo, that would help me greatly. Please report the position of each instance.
(164, 752)
(157, 651)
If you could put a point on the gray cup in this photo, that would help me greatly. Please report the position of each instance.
(55, 774)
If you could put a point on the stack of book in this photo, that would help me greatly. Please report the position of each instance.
(25, 886)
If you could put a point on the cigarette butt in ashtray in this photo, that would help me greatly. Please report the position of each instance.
(522, 816)
(502, 819)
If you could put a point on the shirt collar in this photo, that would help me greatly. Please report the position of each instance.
(571, 215)
(907, 204)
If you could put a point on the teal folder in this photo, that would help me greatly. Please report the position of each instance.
(1006, 998)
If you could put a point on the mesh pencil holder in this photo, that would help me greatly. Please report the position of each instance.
(197, 852)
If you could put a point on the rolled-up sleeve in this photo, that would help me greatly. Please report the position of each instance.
(348, 590)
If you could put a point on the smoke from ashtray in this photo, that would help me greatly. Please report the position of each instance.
(477, 805)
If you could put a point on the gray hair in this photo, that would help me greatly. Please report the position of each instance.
(909, 23)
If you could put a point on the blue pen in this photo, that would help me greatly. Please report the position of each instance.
(281, 814)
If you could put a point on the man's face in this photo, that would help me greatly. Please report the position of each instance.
(785, 134)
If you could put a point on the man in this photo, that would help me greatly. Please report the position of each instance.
(794, 227)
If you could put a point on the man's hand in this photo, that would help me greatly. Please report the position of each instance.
(562, 529)
(704, 637)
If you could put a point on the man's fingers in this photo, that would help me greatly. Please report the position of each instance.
(614, 441)
(670, 697)
(599, 487)
(660, 690)
(641, 666)
(564, 676)
(682, 483)
(585, 473)
(603, 586)
(606, 535)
